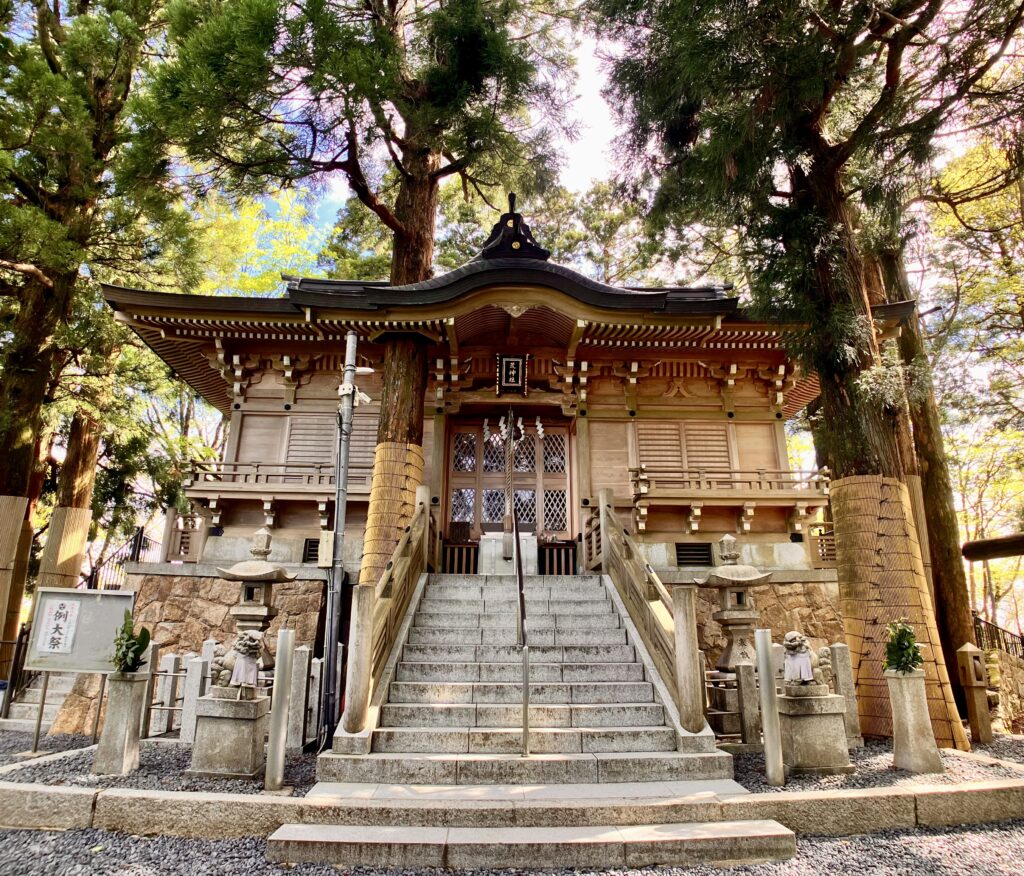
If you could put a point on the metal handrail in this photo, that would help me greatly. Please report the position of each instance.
(521, 638)
(992, 637)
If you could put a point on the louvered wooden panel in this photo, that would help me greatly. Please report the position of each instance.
(364, 438)
(659, 445)
(312, 439)
(707, 446)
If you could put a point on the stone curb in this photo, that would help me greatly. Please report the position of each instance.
(213, 815)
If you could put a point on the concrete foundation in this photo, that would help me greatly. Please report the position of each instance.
(230, 735)
(118, 749)
(813, 731)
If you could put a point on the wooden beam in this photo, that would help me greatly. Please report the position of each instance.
(994, 548)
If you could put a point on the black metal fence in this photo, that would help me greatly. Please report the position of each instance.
(994, 638)
(110, 574)
(12, 667)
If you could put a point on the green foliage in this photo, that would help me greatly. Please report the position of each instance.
(902, 653)
(129, 646)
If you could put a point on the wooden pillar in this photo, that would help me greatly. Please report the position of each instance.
(12, 584)
(689, 676)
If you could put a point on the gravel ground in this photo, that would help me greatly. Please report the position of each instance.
(1004, 747)
(993, 850)
(161, 768)
(13, 742)
(875, 770)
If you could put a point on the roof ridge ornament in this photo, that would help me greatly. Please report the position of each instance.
(511, 238)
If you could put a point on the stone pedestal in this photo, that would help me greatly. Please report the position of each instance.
(230, 735)
(813, 731)
(118, 749)
(913, 740)
(493, 563)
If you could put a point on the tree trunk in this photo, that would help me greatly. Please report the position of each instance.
(78, 472)
(28, 362)
(952, 599)
(398, 458)
(880, 566)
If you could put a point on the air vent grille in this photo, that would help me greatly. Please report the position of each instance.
(694, 554)
(311, 550)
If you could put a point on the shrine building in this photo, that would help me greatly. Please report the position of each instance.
(673, 398)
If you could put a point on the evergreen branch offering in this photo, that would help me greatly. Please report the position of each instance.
(129, 647)
(902, 653)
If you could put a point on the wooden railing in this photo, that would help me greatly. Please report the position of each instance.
(823, 550)
(245, 475)
(395, 587)
(648, 601)
(185, 539)
(654, 482)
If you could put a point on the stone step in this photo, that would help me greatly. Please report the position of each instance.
(594, 692)
(506, 607)
(509, 714)
(510, 580)
(504, 636)
(508, 739)
(27, 711)
(581, 592)
(511, 672)
(23, 725)
(600, 847)
(534, 622)
(512, 769)
(490, 653)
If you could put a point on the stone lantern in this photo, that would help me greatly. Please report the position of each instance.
(255, 609)
(736, 613)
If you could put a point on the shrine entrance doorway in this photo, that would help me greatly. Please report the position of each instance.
(476, 479)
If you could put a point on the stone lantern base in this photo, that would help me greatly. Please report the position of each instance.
(813, 731)
(230, 735)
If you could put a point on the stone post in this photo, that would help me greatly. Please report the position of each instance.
(970, 661)
(358, 680)
(197, 671)
(166, 694)
(65, 543)
(770, 726)
(778, 663)
(316, 668)
(151, 664)
(913, 739)
(299, 701)
(170, 525)
(118, 749)
(842, 673)
(279, 706)
(689, 672)
(750, 714)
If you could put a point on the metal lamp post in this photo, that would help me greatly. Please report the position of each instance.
(348, 395)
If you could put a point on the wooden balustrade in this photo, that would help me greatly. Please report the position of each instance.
(303, 477)
(652, 482)
(665, 620)
(823, 550)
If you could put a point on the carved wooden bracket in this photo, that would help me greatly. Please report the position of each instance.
(295, 371)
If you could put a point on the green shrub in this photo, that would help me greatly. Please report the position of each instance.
(902, 653)
(129, 646)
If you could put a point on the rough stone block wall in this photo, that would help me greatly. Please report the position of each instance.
(810, 607)
(1011, 692)
(182, 612)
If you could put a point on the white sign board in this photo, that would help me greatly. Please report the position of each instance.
(74, 630)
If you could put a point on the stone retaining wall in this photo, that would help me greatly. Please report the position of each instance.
(181, 611)
(1011, 692)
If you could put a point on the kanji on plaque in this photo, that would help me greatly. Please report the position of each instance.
(60, 619)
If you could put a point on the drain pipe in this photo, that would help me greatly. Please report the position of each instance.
(336, 579)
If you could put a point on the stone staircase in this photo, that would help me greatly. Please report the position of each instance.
(612, 779)
(22, 714)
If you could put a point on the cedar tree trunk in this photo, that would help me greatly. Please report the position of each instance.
(952, 600)
(398, 458)
(881, 572)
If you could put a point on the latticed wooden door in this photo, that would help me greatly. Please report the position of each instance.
(476, 481)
